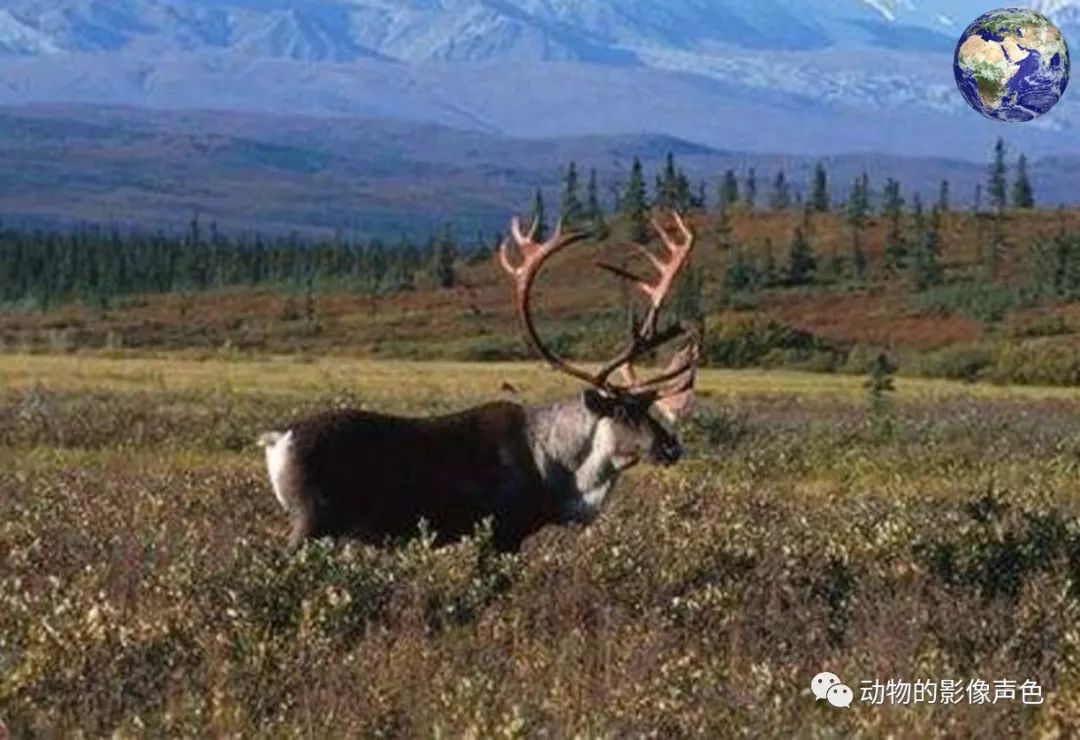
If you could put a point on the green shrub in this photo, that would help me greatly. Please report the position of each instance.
(982, 301)
(501, 348)
(961, 362)
(860, 359)
(997, 547)
(1042, 326)
(1037, 363)
(755, 342)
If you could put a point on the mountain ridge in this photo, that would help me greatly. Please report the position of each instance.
(150, 169)
(452, 30)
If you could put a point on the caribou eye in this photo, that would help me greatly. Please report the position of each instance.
(599, 403)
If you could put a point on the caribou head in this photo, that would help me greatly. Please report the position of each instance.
(632, 418)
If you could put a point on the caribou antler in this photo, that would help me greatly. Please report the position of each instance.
(533, 256)
(669, 269)
(645, 337)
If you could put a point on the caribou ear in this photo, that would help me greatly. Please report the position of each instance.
(597, 402)
(678, 407)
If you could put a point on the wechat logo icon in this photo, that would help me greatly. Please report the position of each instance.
(829, 687)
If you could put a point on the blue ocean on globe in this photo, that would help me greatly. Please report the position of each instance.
(1012, 64)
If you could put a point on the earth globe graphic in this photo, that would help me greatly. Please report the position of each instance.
(1012, 64)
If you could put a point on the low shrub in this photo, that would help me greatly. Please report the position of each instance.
(1041, 326)
(756, 342)
(1037, 363)
(712, 428)
(979, 300)
(969, 362)
(145, 591)
(491, 348)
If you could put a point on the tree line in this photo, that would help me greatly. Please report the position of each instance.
(96, 266)
(673, 188)
(913, 241)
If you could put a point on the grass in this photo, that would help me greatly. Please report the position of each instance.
(145, 591)
(393, 381)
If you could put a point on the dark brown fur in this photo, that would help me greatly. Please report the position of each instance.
(374, 476)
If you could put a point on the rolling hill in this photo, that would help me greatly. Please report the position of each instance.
(152, 169)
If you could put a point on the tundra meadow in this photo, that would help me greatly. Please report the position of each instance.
(926, 533)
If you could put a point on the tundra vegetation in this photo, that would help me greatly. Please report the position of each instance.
(875, 528)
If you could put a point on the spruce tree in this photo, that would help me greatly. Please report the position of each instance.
(925, 262)
(879, 386)
(729, 190)
(892, 208)
(858, 203)
(858, 212)
(539, 216)
(802, 263)
(918, 213)
(996, 186)
(881, 376)
(667, 184)
(571, 210)
(997, 190)
(682, 194)
(701, 200)
(943, 197)
(740, 277)
(594, 210)
(445, 256)
(819, 198)
(635, 205)
(751, 190)
(892, 201)
(1023, 194)
(780, 199)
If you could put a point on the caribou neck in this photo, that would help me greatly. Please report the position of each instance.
(574, 452)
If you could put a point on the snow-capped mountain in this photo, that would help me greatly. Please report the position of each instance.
(781, 75)
(17, 37)
(479, 30)
(936, 14)
(462, 30)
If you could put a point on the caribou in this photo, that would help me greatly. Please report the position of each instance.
(375, 477)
